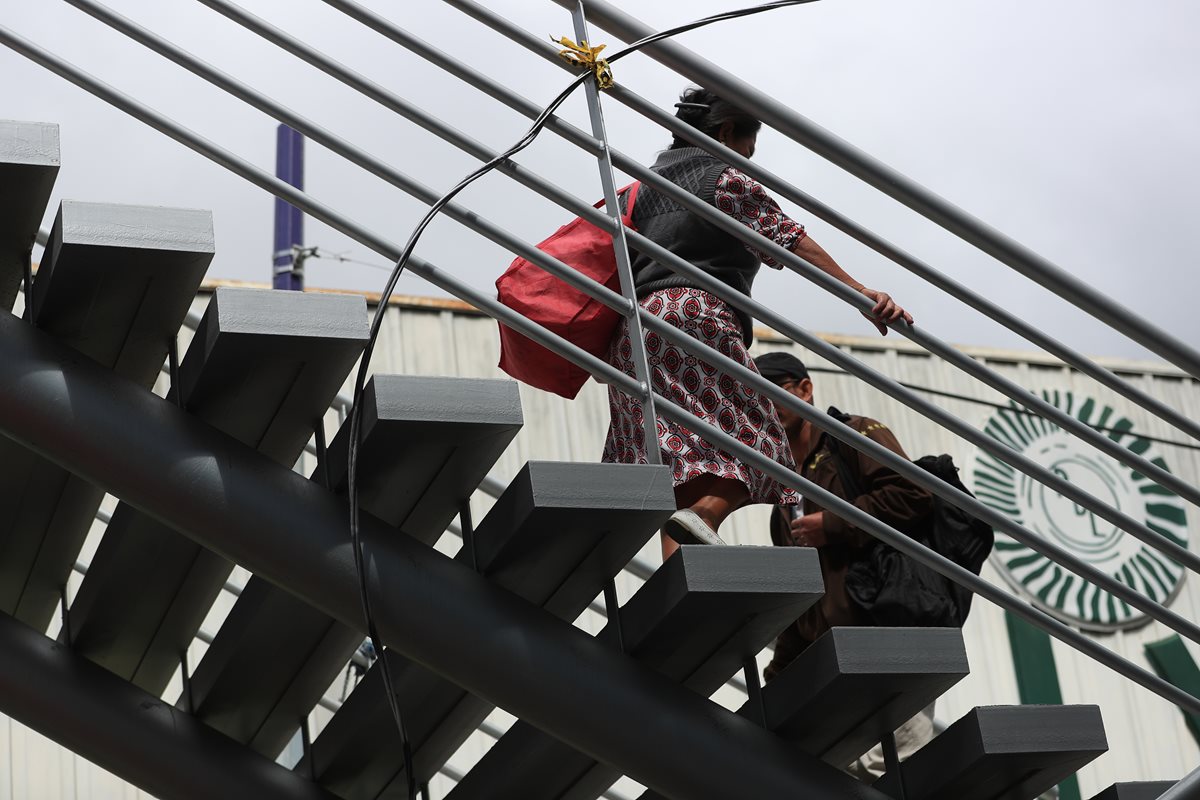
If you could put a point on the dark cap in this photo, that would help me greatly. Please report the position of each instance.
(779, 366)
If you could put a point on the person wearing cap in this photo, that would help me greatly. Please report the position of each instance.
(885, 495)
(710, 483)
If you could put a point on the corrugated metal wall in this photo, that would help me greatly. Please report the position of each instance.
(1147, 736)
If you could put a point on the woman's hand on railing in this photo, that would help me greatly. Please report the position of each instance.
(885, 310)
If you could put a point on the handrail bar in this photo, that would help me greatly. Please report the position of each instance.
(1056, 553)
(1123, 521)
(598, 368)
(1187, 788)
(319, 134)
(901, 188)
(892, 252)
(1017, 393)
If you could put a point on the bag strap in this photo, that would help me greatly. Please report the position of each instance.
(627, 217)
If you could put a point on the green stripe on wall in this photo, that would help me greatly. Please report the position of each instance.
(1037, 677)
(1174, 664)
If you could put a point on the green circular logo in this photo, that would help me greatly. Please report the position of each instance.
(1088, 537)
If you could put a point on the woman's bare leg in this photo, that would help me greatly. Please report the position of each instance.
(712, 498)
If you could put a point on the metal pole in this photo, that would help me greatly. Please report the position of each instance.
(969, 365)
(290, 531)
(901, 188)
(833, 353)
(830, 284)
(599, 369)
(289, 220)
(887, 249)
(129, 732)
(1187, 789)
(641, 366)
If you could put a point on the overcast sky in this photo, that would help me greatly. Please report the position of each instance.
(1072, 126)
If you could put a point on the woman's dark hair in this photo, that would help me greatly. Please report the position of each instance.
(706, 112)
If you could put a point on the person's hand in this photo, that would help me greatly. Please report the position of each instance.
(809, 530)
(885, 310)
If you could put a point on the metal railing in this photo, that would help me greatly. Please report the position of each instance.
(802, 131)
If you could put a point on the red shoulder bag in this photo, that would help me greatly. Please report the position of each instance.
(561, 308)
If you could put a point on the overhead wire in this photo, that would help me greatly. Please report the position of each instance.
(377, 321)
(1012, 408)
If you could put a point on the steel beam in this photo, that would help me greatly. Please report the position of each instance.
(441, 614)
(29, 160)
(129, 732)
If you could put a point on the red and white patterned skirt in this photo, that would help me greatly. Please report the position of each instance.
(703, 390)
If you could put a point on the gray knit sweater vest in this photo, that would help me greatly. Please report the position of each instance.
(667, 223)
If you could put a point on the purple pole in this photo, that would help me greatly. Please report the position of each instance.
(289, 221)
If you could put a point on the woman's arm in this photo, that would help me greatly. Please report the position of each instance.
(745, 199)
(885, 310)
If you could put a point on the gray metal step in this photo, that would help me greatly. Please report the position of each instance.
(275, 656)
(29, 160)
(861, 683)
(697, 620)
(115, 284)
(262, 367)
(1135, 790)
(1002, 753)
(557, 534)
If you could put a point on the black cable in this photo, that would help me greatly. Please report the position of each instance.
(377, 322)
(1011, 407)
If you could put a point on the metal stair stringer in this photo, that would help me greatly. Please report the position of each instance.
(280, 525)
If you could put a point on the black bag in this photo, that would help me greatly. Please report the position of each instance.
(893, 589)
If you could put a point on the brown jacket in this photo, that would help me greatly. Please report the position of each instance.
(887, 496)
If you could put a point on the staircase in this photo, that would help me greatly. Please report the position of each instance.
(205, 481)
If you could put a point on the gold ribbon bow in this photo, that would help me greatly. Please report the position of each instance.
(582, 55)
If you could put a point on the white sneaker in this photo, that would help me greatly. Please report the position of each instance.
(686, 527)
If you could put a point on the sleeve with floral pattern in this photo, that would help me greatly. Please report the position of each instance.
(745, 199)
